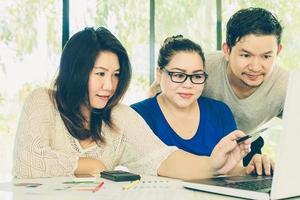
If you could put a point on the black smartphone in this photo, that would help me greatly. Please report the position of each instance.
(118, 175)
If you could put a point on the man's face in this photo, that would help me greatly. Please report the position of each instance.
(251, 60)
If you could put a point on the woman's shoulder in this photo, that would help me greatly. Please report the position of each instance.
(123, 114)
(40, 92)
(144, 104)
(122, 110)
(38, 97)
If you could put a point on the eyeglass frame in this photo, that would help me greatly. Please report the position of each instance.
(170, 73)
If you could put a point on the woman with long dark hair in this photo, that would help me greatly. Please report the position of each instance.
(80, 127)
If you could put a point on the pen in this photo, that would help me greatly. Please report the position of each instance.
(241, 139)
(259, 131)
(98, 186)
(131, 185)
(77, 182)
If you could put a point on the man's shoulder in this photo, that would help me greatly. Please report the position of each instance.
(215, 60)
(215, 53)
(278, 79)
(216, 69)
(281, 72)
(214, 56)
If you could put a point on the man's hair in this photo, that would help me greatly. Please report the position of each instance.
(71, 85)
(257, 21)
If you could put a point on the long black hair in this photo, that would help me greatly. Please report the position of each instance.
(71, 85)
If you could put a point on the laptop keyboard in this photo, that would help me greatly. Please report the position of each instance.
(252, 185)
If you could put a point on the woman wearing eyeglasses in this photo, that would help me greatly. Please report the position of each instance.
(178, 115)
(78, 126)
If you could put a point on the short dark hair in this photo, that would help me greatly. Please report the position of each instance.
(257, 21)
(175, 44)
(71, 85)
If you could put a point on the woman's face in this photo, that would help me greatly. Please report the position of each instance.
(103, 79)
(186, 93)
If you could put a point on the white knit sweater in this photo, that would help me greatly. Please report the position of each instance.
(45, 148)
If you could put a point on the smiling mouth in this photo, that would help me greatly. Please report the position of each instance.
(253, 76)
(104, 97)
(185, 95)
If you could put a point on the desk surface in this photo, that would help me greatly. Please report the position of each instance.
(149, 188)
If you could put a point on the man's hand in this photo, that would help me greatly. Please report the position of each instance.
(260, 164)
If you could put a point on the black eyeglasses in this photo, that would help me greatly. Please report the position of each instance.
(179, 77)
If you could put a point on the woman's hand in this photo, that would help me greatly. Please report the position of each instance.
(89, 166)
(227, 154)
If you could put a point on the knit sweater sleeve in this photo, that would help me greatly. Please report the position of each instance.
(33, 155)
(143, 152)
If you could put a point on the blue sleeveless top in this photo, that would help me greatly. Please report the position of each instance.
(216, 121)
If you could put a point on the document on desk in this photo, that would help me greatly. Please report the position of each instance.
(148, 188)
(50, 186)
(156, 188)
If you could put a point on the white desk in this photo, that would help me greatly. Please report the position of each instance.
(149, 188)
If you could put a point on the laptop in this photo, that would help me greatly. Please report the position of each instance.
(286, 177)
